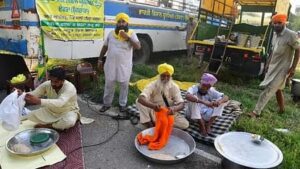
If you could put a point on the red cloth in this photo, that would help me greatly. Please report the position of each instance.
(162, 131)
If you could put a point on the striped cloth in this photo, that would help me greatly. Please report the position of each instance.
(221, 125)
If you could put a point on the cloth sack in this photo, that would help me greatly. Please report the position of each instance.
(11, 109)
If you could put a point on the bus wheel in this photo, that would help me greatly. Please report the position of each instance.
(142, 55)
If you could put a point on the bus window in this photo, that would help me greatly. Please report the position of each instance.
(165, 3)
(252, 18)
(148, 2)
(267, 18)
(191, 6)
(177, 4)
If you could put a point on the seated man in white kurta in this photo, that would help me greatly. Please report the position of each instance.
(205, 103)
(161, 93)
(59, 109)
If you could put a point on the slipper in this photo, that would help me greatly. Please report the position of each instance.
(134, 120)
(104, 108)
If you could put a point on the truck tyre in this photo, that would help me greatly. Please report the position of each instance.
(143, 55)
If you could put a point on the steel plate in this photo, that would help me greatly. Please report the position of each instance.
(179, 147)
(20, 143)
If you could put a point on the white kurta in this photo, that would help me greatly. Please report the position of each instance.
(118, 64)
(61, 107)
(153, 94)
(284, 45)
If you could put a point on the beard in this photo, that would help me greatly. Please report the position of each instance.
(201, 92)
(278, 29)
(164, 85)
(118, 28)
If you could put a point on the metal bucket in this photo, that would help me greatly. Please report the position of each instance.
(295, 87)
(227, 164)
(241, 151)
(179, 147)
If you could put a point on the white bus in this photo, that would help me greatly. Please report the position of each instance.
(154, 21)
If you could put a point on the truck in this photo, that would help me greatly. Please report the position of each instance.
(76, 29)
(236, 34)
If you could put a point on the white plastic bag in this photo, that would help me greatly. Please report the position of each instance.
(11, 108)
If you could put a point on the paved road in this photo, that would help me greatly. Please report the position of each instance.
(119, 151)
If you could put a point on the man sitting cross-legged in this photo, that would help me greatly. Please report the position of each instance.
(58, 100)
(162, 92)
(205, 103)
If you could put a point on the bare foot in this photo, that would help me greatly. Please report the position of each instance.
(148, 124)
(203, 132)
(202, 127)
(208, 128)
(252, 115)
(281, 111)
(43, 126)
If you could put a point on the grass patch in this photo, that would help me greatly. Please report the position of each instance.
(243, 89)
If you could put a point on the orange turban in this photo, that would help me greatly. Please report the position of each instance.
(279, 18)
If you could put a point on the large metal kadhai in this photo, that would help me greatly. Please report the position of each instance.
(32, 141)
(180, 146)
(242, 151)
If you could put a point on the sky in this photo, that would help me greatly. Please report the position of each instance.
(294, 3)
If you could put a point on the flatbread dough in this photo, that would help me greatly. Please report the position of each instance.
(21, 148)
(162, 156)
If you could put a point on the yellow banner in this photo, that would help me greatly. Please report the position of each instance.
(72, 19)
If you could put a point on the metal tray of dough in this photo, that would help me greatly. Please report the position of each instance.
(28, 148)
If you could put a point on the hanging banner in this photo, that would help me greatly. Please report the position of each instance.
(72, 19)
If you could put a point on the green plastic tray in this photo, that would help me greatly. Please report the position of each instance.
(39, 138)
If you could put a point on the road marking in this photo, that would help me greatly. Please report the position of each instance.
(208, 156)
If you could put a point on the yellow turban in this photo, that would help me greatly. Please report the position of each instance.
(122, 16)
(279, 18)
(163, 68)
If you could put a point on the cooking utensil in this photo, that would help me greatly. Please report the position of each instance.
(179, 147)
(32, 141)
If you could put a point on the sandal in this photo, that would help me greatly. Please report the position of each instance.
(104, 108)
(134, 120)
(121, 117)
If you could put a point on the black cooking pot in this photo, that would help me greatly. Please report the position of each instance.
(295, 90)
(227, 164)
(295, 87)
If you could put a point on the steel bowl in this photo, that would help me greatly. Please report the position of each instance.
(179, 147)
(29, 148)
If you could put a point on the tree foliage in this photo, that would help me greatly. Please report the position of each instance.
(294, 22)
